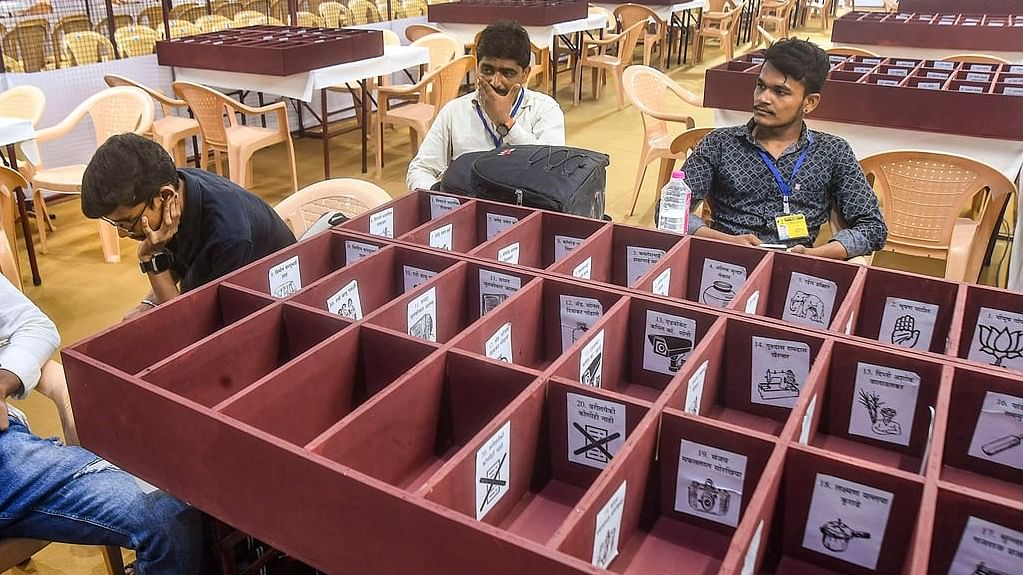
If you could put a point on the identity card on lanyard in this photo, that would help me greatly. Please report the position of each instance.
(790, 226)
(498, 140)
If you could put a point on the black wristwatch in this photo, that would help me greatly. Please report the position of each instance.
(159, 263)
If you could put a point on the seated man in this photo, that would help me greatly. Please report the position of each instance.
(194, 226)
(775, 181)
(501, 110)
(60, 493)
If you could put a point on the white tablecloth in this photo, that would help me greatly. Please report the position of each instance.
(663, 11)
(540, 36)
(1016, 57)
(1004, 155)
(19, 131)
(303, 86)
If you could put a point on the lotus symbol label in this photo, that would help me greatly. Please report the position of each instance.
(1000, 343)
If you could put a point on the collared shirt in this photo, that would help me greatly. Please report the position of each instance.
(458, 130)
(726, 168)
(223, 227)
(27, 337)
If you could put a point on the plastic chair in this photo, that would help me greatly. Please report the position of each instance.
(601, 62)
(976, 58)
(309, 20)
(435, 90)
(259, 6)
(349, 196)
(136, 40)
(170, 131)
(649, 90)
(82, 48)
(214, 23)
(238, 141)
(10, 180)
(41, 8)
(183, 11)
(226, 9)
(27, 102)
(182, 28)
(720, 22)
(923, 193)
(112, 111)
(335, 14)
(629, 14)
(842, 51)
(764, 35)
(822, 8)
(27, 43)
(12, 65)
(120, 21)
(251, 18)
(67, 25)
(776, 15)
(413, 8)
(151, 16)
(680, 148)
(416, 31)
(364, 12)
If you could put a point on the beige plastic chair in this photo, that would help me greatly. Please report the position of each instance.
(120, 21)
(67, 25)
(349, 196)
(136, 40)
(10, 266)
(184, 10)
(12, 65)
(41, 8)
(416, 31)
(27, 102)
(922, 195)
(649, 90)
(112, 111)
(629, 14)
(680, 148)
(602, 62)
(226, 9)
(435, 90)
(774, 15)
(976, 58)
(822, 8)
(364, 12)
(27, 42)
(720, 22)
(335, 14)
(151, 16)
(261, 6)
(82, 48)
(238, 141)
(413, 8)
(214, 23)
(764, 36)
(841, 51)
(170, 131)
(250, 18)
(182, 28)
(309, 20)
(390, 39)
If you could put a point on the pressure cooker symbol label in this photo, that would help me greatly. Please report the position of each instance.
(835, 535)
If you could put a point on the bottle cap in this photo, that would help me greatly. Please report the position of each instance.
(678, 175)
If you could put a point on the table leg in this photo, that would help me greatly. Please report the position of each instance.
(325, 134)
(554, 67)
(365, 123)
(26, 230)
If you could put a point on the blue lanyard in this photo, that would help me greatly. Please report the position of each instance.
(498, 140)
(786, 190)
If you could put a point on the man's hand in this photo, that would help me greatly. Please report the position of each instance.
(142, 307)
(745, 240)
(741, 239)
(497, 107)
(831, 250)
(9, 385)
(170, 219)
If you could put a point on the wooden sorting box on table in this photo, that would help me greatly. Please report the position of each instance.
(975, 32)
(272, 50)
(965, 6)
(962, 98)
(434, 410)
(525, 12)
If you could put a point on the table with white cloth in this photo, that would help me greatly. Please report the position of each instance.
(677, 16)
(19, 132)
(543, 37)
(302, 86)
(1006, 156)
(1014, 57)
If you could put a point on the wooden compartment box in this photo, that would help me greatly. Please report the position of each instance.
(404, 214)
(271, 50)
(540, 240)
(618, 255)
(976, 532)
(463, 229)
(967, 6)
(525, 12)
(969, 32)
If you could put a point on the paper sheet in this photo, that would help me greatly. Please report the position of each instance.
(710, 482)
(884, 403)
(596, 430)
(778, 371)
(847, 520)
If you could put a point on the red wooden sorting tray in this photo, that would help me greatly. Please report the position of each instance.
(927, 98)
(975, 32)
(525, 12)
(965, 6)
(271, 50)
(470, 442)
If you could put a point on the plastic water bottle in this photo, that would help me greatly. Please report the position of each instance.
(674, 209)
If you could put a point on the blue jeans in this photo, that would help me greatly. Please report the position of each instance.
(59, 493)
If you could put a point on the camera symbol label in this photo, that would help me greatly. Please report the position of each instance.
(710, 482)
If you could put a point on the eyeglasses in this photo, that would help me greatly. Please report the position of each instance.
(120, 224)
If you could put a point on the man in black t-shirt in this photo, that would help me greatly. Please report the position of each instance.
(192, 226)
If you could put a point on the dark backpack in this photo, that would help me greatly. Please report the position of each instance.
(556, 178)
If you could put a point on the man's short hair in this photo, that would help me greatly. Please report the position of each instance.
(127, 170)
(505, 41)
(801, 60)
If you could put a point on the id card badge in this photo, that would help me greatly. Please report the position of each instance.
(791, 227)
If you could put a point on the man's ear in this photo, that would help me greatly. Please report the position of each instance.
(810, 102)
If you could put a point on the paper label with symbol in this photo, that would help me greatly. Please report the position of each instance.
(908, 323)
(578, 314)
(694, 389)
(847, 520)
(999, 432)
(608, 530)
(382, 223)
(661, 283)
(563, 245)
(497, 223)
(509, 254)
(884, 403)
(720, 282)
(440, 205)
(638, 261)
(355, 251)
(285, 278)
(810, 300)
(422, 315)
(998, 339)
(667, 342)
(415, 277)
(499, 346)
(442, 237)
(779, 369)
(591, 361)
(584, 269)
(596, 430)
(987, 548)
(346, 301)
(709, 483)
(493, 470)
(495, 288)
